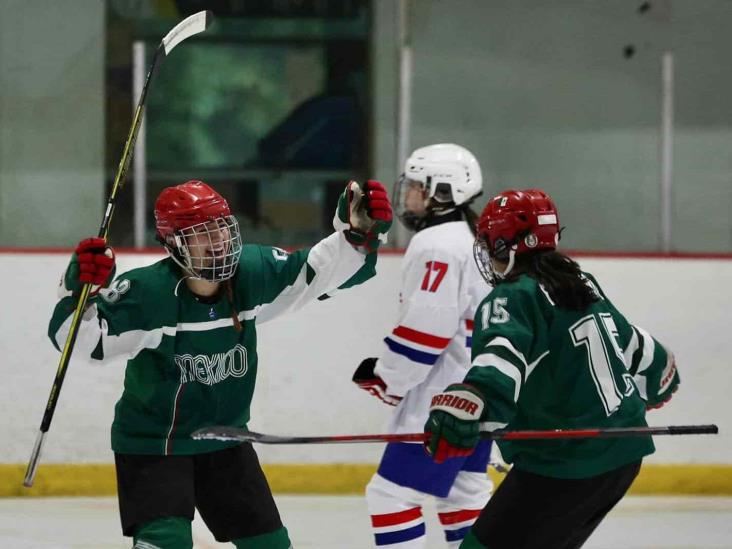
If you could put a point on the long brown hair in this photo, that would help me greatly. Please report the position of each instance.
(559, 275)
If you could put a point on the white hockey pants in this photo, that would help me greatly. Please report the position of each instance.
(396, 512)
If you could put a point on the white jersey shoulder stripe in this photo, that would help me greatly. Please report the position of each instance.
(530, 367)
(649, 346)
(215, 324)
(508, 369)
(503, 342)
(631, 349)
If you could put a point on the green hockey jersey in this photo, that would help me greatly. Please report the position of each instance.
(187, 367)
(540, 366)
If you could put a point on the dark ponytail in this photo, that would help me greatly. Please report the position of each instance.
(559, 275)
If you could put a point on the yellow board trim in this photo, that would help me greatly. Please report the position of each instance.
(99, 479)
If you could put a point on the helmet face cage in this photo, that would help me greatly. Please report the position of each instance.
(483, 260)
(208, 250)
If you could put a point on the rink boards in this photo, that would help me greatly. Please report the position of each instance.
(306, 363)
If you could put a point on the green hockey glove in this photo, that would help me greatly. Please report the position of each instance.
(453, 427)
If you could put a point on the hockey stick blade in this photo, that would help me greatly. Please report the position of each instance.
(196, 23)
(224, 433)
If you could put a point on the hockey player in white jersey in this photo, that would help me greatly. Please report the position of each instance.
(429, 347)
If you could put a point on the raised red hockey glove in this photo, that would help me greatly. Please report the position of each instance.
(365, 378)
(93, 263)
(378, 207)
(453, 427)
(364, 215)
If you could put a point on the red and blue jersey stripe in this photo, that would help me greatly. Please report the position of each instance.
(390, 528)
(457, 524)
(469, 330)
(417, 346)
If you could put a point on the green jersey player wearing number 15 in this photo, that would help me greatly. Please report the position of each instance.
(187, 327)
(549, 351)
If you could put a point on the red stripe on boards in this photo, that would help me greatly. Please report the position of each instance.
(462, 515)
(390, 519)
(421, 337)
(468, 324)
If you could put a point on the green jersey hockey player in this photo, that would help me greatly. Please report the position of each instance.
(187, 327)
(549, 351)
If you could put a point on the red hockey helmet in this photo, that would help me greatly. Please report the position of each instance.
(513, 223)
(187, 204)
(195, 225)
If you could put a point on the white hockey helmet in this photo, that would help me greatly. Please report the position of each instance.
(448, 174)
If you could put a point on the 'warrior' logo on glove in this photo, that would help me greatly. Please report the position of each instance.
(461, 404)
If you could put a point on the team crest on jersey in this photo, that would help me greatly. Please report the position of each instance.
(531, 240)
(115, 290)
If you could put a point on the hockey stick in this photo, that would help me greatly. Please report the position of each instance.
(243, 435)
(190, 26)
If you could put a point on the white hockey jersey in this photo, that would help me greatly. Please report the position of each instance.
(430, 346)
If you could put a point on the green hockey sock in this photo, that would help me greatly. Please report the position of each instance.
(164, 533)
(471, 542)
(273, 540)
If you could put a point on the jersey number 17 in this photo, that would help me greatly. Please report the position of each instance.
(439, 269)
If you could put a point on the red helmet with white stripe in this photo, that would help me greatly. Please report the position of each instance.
(195, 225)
(187, 204)
(513, 223)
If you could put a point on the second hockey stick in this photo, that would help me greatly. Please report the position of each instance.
(190, 26)
(243, 435)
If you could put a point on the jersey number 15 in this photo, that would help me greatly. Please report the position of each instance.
(597, 334)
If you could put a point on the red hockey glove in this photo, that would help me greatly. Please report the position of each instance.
(378, 207)
(666, 398)
(666, 386)
(364, 215)
(95, 265)
(365, 378)
(453, 427)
